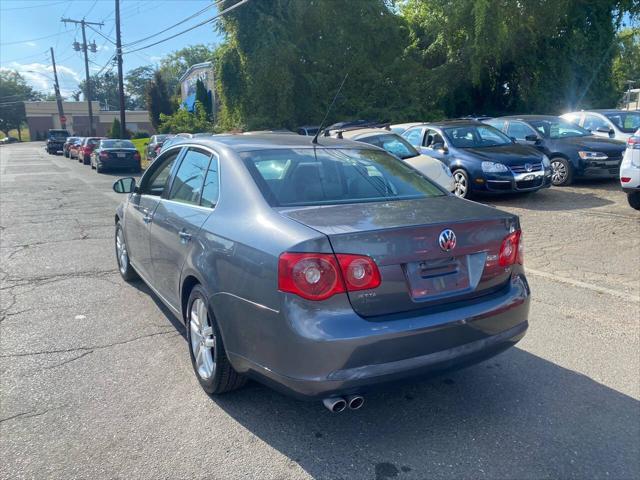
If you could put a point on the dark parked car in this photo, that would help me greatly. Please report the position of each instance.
(322, 270)
(115, 155)
(7, 140)
(67, 144)
(86, 147)
(55, 140)
(154, 146)
(573, 151)
(482, 158)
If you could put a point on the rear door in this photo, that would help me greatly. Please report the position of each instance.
(179, 216)
(141, 209)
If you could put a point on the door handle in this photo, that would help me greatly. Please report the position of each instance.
(184, 236)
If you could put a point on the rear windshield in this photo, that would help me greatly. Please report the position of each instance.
(558, 128)
(476, 136)
(298, 177)
(628, 122)
(58, 134)
(393, 144)
(116, 144)
(92, 141)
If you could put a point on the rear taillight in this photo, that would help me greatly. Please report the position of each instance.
(104, 155)
(511, 250)
(318, 276)
(158, 148)
(359, 272)
(633, 142)
(136, 156)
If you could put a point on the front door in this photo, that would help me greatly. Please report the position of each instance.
(178, 219)
(141, 209)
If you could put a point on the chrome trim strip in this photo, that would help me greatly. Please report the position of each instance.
(258, 305)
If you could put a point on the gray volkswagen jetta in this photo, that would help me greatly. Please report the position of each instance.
(323, 270)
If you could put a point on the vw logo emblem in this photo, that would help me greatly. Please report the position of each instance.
(447, 240)
(528, 167)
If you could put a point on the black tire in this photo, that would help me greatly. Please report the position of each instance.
(127, 271)
(85, 161)
(561, 172)
(223, 377)
(98, 168)
(462, 183)
(66, 154)
(634, 200)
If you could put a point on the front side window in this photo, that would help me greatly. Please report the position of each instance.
(334, 176)
(628, 122)
(593, 122)
(433, 139)
(413, 136)
(475, 136)
(519, 130)
(394, 144)
(496, 123)
(189, 179)
(155, 181)
(558, 128)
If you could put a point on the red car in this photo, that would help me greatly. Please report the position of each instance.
(85, 149)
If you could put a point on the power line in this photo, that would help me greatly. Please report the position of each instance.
(33, 39)
(23, 58)
(135, 42)
(209, 20)
(42, 5)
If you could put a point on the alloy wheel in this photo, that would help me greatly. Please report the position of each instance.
(460, 184)
(203, 340)
(558, 172)
(121, 250)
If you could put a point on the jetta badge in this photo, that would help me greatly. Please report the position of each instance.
(447, 240)
(528, 167)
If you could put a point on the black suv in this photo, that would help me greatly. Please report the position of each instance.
(55, 140)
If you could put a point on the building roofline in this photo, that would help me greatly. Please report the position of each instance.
(194, 67)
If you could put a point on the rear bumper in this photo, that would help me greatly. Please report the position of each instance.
(119, 163)
(343, 354)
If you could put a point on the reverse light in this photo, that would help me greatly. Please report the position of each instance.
(592, 155)
(511, 250)
(318, 276)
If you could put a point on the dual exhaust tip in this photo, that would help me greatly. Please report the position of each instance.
(339, 404)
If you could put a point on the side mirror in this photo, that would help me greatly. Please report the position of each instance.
(125, 185)
(532, 138)
(441, 147)
(603, 130)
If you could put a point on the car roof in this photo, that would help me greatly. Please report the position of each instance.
(247, 143)
(460, 122)
(604, 110)
(407, 125)
(527, 118)
(366, 132)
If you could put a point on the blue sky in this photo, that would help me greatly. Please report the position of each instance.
(23, 23)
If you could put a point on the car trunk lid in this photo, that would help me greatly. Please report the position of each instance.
(402, 237)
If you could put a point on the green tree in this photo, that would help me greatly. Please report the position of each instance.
(104, 89)
(184, 121)
(173, 66)
(158, 100)
(14, 91)
(136, 83)
(626, 63)
(115, 130)
(204, 97)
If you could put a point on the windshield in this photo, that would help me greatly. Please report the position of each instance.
(58, 134)
(116, 144)
(558, 128)
(393, 144)
(627, 122)
(299, 177)
(475, 136)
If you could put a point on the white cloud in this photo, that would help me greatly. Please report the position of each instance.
(40, 76)
(31, 44)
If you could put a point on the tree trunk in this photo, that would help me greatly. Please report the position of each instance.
(19, 134)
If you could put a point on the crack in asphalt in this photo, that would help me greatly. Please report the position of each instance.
(48, 279)
(96, 347)
(84, 354)
(30, 414)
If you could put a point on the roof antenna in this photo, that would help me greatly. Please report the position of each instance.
(315, 139)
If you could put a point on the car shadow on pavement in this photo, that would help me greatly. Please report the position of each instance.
(177, 324)
(551, 199)
(514, 416)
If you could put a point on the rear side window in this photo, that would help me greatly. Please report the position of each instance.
(519, 130)
(413, 136)
(189, 179)
(211, 187)
(298, 177)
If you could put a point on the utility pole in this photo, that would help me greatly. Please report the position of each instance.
(85, 48)
(123, 122)
(56, 86)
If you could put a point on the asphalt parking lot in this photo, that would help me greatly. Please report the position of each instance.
(96, 380)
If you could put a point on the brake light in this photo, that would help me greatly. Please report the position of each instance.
(359, 272)
(136, 156)
(104, 155)
(625, 179)
(511, 250)
(633, 142)
(318, 276)
(158, 148)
